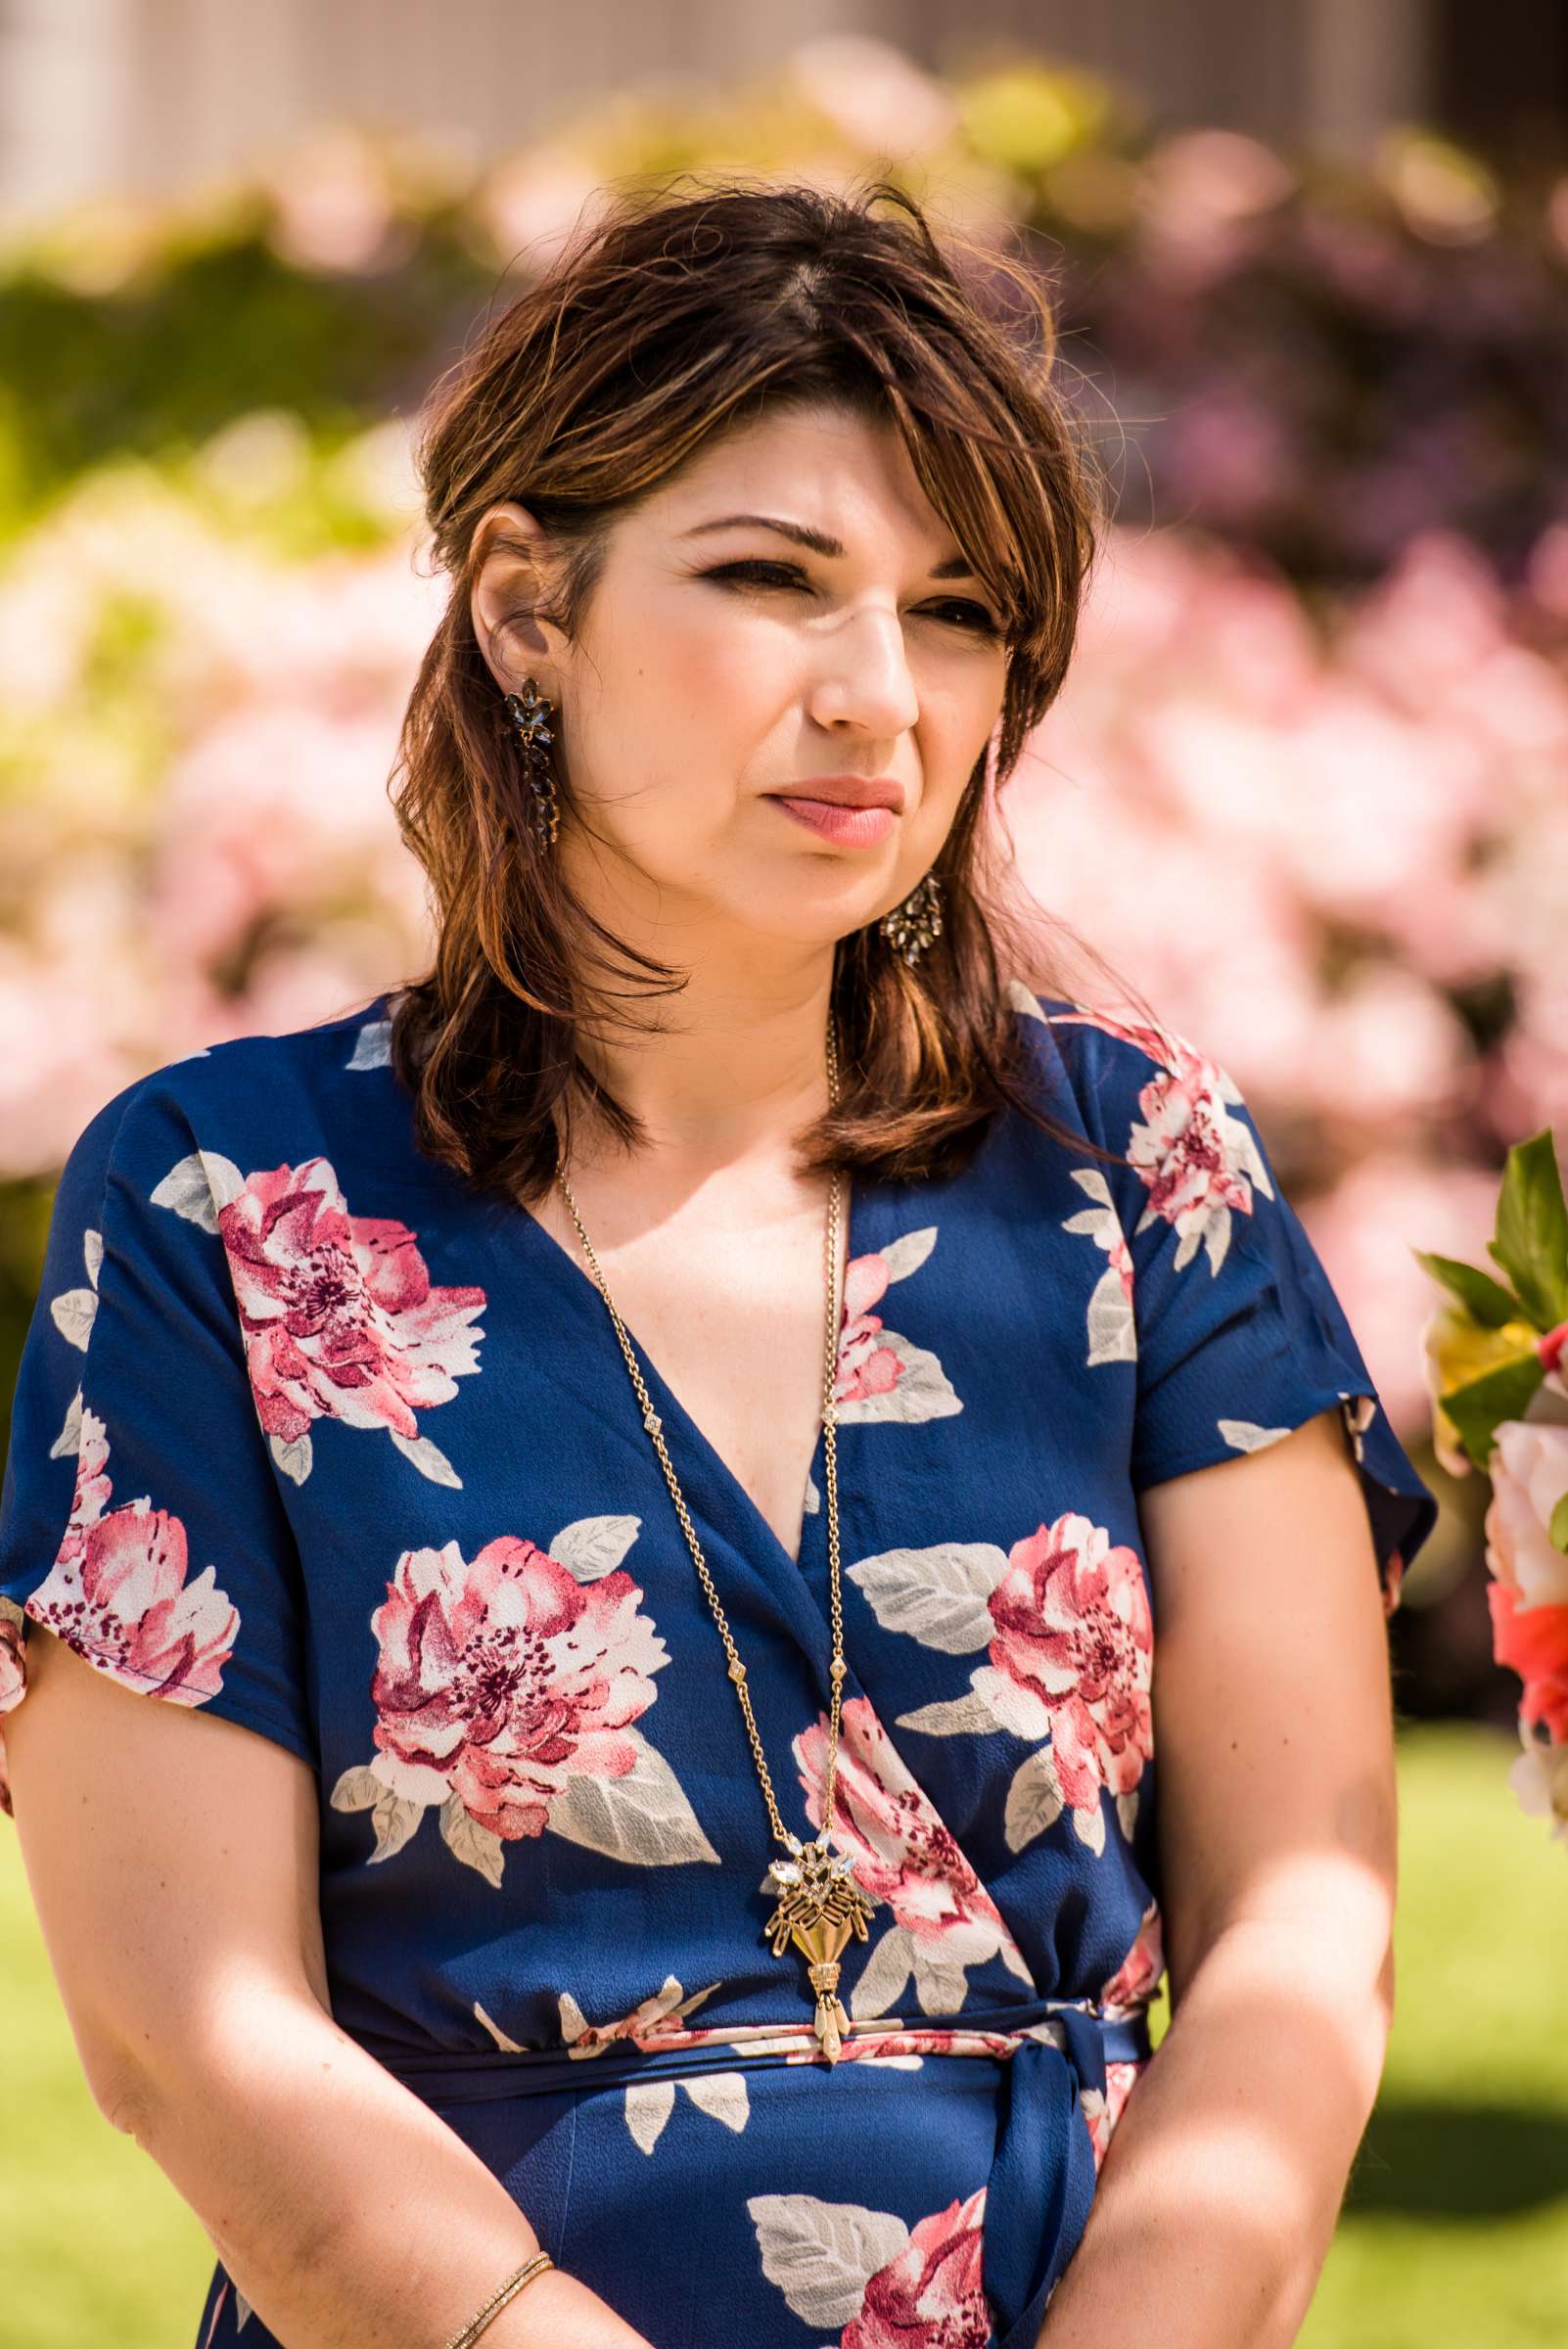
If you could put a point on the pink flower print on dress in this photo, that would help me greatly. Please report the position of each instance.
(1135, 1985)
(904, 1854)
(865, 1367)
(1063, 1618)
(1138, 1978)
(659, 2023)
(499, 1677)
(339, 1316)
(506, 1693)
(13, 1686)
(656, 2021)
(13, 1659)
(117, 1594)
(930, 2296)
(1198, 1164)
(1102, 2113)
(92, 1491)
(1071, 1657)
(880, 1375)
(870, 2280)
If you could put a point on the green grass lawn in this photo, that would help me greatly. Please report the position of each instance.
(1457, 2226)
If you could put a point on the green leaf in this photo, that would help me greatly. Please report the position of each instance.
(1558, 1527)
(1532, 1236)
(1478, 1409)
(1486, 1299)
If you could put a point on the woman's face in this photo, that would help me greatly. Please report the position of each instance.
(723, 663)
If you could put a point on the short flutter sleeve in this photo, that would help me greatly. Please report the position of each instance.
(1235, 1330)
(140, 1517)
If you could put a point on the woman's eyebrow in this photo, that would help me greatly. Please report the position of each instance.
(818, 542)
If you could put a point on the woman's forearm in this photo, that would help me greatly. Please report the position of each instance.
(349, 2215)
(1225, 2175)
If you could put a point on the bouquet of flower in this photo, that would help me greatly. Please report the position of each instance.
(1495, 1354)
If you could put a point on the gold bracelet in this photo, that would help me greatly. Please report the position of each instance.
(514, 2284)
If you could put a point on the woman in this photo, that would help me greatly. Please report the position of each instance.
(660, 1512)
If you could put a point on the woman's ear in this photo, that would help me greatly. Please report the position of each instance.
(508, 580)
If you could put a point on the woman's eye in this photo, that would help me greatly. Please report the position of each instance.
(788, 574)
(775, 575)
(975, 616)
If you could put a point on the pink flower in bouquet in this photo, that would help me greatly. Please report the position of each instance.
(1529, 1477)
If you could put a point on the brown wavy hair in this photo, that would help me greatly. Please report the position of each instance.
(666, 319)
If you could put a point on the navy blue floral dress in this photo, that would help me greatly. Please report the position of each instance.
(309, 1436)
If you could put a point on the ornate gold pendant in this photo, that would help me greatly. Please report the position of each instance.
(820, 1903)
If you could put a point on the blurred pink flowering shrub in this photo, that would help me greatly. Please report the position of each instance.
(196, 734)
(1332, 849)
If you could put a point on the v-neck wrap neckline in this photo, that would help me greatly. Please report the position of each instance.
(692, 1429)
(713, 1492)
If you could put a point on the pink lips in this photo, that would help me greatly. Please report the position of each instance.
(854, 811)
(850, 827)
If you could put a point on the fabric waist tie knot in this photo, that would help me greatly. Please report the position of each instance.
(1043, 2173)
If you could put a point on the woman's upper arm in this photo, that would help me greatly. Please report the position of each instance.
(172, 1861)
(1277, 1505)
(1271, 1701)
(165, 1779)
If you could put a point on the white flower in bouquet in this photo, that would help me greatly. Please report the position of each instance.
(1539, 1779)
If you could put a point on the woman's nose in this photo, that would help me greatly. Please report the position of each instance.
(866, 678)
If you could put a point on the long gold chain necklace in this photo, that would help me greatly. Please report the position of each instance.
(820, 1900)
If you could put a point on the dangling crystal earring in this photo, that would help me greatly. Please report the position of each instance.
(915, 924)
(531, 713)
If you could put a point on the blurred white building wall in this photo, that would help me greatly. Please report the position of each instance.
(97, 96)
